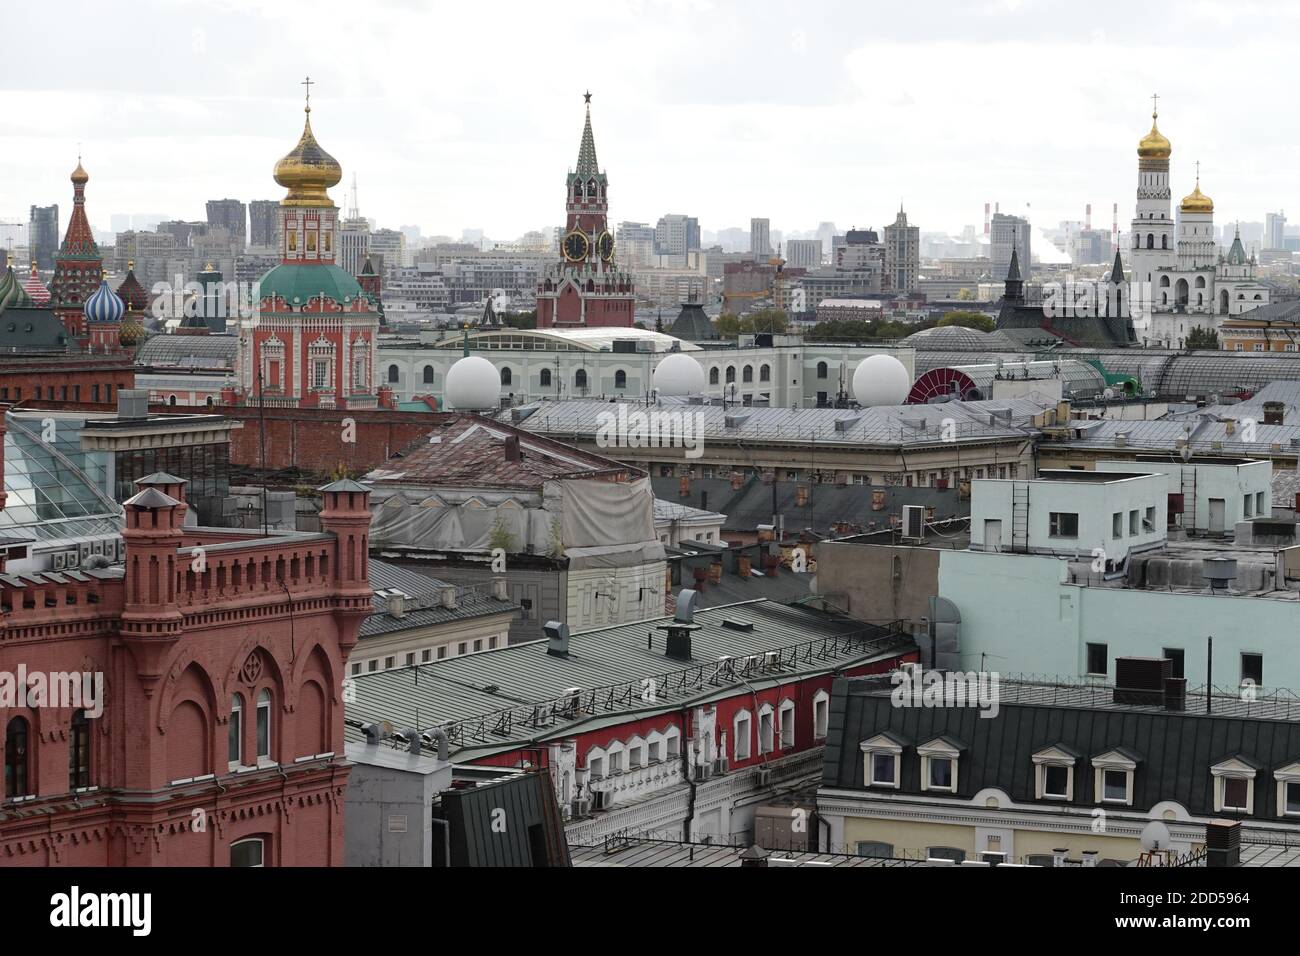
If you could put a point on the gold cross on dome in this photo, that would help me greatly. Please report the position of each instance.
(1155, 101)
(307, 83)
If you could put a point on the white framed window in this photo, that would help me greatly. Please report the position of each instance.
(635, 753)
(880, 760)
(1054, 773)
(264, 725)
(940, 760)
(655, 748)
(1112, 776)
(672, 743)
(785, 722)
(236, 730)
(250, 852)
(1288, 789)
(742, 734)
(765, 729)
(821, 714)
(615, 756)
(596, 763)
(1234, 786)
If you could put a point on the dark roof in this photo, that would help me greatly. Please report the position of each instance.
(640, 852)
(423, 607)
(494, 823)
(470, 451)
(692, 325)
(31, 328)
(754, 503)
(1176, 748)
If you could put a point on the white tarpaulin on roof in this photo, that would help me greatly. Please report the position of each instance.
(592, 523)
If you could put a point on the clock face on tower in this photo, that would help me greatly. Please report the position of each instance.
(575, 246)
(605, 246)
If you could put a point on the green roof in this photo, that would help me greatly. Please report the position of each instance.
(297, 284)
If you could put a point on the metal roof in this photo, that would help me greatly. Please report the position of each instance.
(643, 852)
(502, 699)
(423, 604)
(884, 426)
(189, 351)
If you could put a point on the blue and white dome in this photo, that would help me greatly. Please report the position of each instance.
(104, 305)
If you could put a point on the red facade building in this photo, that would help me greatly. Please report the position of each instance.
(586, 288)
(216, 735)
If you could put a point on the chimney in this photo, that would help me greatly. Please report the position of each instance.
(737, 479)
(754, 858)
(715, 572)
(557, 638)
(800, 496)
(684, 486)
(396, 604)
(512, 448)
(678, 645)
(743, 566)
(447, 596)
(1274, 413)
(499, 589)
(1089, 857)
(701, 575)
(1175, 693)
(1058, 856)
(1223, 843)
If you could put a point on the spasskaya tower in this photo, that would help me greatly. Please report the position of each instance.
(586, 289)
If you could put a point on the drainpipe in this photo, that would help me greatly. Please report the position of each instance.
(690, 779)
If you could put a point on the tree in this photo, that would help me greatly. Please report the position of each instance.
(765, 320)
(520, 320)
(969, 320)
(1203, 339)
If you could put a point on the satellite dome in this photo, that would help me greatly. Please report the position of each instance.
(881, 380)
(472, 385)
(679, 374)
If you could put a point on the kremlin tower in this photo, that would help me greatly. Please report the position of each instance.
(35, 289)
(103, 314)
(312, 343)
(78, 267)
(586, 289)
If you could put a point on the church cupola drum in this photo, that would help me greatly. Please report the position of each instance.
(586, 289)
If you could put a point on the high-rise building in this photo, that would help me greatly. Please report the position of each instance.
(388, 246)
(676, 235)
(902, 254)
(803, 253)
(43, 235)
(760, 239)
(1007, 233)
(263, 223)
(231, 215)
(635, 244)
(1275, 230)
(354, 236)
(586, 288)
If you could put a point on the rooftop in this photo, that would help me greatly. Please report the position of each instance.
(422, 606)
(643, 852)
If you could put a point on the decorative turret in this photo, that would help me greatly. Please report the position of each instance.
(346, 515)
(36, 289)
(1014, 290)
(151, 617)
(78, 267)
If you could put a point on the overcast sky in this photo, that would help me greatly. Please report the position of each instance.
(456, 115)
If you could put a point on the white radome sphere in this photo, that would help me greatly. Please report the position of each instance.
(473, 384)
(679, 375)
(881, 380)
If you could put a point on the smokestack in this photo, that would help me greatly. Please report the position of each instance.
(986, 219)
(1114, 224)
(1087, 217)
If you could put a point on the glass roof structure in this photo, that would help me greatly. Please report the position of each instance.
(188, 351)
(50, 496)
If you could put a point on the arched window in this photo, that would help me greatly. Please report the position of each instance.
(580, 378)
(505, 376)
(620, 379)
(237, 729)
(17, 758)
(393, 375)
(264, 723)
(428, 375)
(731, 374)
(1164, 242)
(171, 400)
(765, 373)
(747, 374)
(713, 376)
(79, 752)
(546, 378)
(1200, 282)
(1151, 240)
(821, 369)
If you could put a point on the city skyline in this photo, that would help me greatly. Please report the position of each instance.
(472, 146)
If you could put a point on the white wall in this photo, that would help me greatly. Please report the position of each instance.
(1230, 482)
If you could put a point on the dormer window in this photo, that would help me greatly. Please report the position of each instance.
(1234, 785)
(1113, 776)
(1288, 789)
(939, 762)
(1054, 772)
(880, 759)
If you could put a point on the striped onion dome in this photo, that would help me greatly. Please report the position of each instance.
(36, 289)
(104, 305)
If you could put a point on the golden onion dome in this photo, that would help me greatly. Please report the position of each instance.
(1197, 201)
(79, 176)
(1154, 145)
(308, 171)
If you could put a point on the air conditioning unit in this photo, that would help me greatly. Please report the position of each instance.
(914, 521)
(59, 560)
(703, 771)
(764, 777)
(72, 559)
(599, 799)
(581, 807)
(771, 659)
(720, 765)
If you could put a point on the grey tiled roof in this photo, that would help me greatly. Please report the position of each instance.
(423, 608)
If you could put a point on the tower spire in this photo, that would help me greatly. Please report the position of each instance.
(587, 165)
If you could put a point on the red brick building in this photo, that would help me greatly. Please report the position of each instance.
(216, 735)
